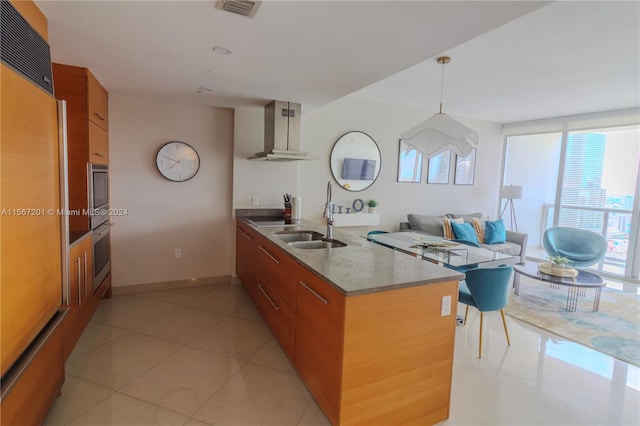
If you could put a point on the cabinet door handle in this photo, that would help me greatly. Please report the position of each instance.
(244, 234)
(100, 116)
(99, 154)
(269, 254)
(107, 228)
(79, 282)
(276, 307)
(85, 274)
(305, 285)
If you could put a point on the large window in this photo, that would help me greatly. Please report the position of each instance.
(598, 188)
(592, 176)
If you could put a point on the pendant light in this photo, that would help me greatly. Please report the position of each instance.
(440, 132)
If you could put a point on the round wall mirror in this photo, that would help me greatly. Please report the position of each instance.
(355, 161)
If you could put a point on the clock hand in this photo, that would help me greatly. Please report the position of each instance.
(177, 162)
(169, 158)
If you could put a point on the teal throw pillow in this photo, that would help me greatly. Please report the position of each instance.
(464, 231)
(495, 232)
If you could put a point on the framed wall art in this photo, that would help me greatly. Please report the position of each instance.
(465, 169)
(438, 168)
(409, 165)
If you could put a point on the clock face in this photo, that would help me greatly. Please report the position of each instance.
(177, 161)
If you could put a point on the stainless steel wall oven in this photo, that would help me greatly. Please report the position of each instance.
(101, 254)
(98, 194)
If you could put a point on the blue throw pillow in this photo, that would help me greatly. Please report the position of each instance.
(464, 231)
(495, 232)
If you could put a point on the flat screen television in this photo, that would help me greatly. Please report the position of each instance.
(358, 169)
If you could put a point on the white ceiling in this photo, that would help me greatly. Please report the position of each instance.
(562, 58)
(566, 58)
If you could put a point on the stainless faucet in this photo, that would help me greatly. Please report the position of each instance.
(328, 213)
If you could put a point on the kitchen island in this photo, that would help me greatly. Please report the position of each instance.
(370, 330)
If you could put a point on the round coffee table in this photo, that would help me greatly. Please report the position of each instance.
(577, 285)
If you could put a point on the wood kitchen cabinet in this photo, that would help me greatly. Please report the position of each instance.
(80, 285)
(318, 342)
(244, 253)
(384, 357)
(98, 144)
(87, 132)
(278, 316)
(269, 276)
(378, 358)
(278, 269)
(87, 113)
(97, 103)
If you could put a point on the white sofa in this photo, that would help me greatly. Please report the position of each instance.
(516, 244)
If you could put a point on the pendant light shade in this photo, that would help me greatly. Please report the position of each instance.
(440, 132)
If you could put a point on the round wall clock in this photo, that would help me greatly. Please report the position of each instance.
(177, 161)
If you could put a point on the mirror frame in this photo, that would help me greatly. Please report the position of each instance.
(337, 157)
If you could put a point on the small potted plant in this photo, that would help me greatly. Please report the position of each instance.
(559, 263)
(372, 205)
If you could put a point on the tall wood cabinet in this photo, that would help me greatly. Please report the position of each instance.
(87, 132)
(30, 232)
(87, 143)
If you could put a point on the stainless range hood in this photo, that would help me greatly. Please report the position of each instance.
(282, 133)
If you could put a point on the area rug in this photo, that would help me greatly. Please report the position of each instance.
(613, 330)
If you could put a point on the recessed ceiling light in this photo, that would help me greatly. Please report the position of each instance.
(221, 50)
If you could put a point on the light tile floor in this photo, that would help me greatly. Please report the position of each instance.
(203, 356)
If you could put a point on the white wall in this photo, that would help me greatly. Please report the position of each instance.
(162, 215)
(384, 123)
(533, 162)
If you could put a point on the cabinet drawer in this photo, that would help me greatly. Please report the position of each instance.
(98, 144)
(97, 102)
(279, 270)
(278, 316)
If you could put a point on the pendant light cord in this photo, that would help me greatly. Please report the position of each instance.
(442, 86)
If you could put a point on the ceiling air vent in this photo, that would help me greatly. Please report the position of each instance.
(241, 7)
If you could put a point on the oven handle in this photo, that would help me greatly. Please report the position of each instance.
(101, 231)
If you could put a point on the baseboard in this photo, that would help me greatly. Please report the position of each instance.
(170, 285)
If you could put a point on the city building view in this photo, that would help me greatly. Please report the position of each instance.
(599, 170)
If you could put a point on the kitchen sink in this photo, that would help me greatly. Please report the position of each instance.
(317, 244)
(300, 235)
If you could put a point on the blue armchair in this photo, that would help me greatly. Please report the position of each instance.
(583, 248)
(486, 289)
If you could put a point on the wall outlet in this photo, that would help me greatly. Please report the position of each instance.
(255, 201)
(178, 253)
(445, 307)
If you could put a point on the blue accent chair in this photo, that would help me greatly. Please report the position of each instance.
(583, 248)
(487, 290)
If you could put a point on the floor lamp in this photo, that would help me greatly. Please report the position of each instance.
(511, 193)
